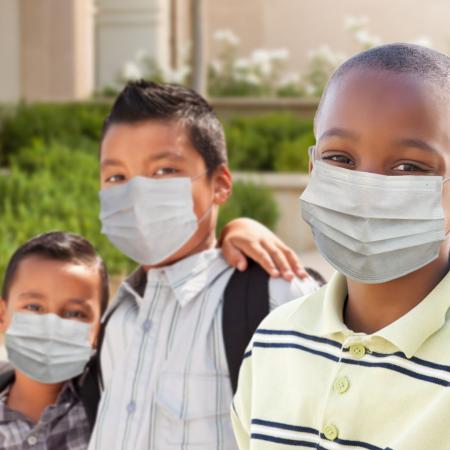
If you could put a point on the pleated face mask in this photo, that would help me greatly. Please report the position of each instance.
(48, 348)
(147, 219)
(374, 228)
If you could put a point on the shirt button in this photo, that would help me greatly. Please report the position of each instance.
(357, 351)
(147, 325)
(341, 385)
(131, 407)
(32, 440)
(330, 432)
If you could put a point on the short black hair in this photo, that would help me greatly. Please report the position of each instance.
(58, 246)
(423, 62)
(145, 100)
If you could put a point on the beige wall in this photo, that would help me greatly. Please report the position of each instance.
(9, 51)
(56, 56)
(301, 25)
(123, 27)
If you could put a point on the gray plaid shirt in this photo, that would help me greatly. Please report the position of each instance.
(62, 426)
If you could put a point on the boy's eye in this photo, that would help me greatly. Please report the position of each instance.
(33, 307)
(337, 159)
(164, 171)
(410, 167)
(78, 315)
(118, 178)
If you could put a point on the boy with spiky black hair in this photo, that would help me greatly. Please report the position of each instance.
(363, 363)
(167, 363)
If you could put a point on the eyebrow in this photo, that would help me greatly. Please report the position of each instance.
(110, 162)
(32, 294)
(416, 143)
(340, 132)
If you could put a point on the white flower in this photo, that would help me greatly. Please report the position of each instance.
(309, 89)
(176, 75)
(131, 71)
(241, 64)
(252, 78)
(216, 65)
(424, 41)
(367, 40)
(353, 23)
(279, 54)
(227, 37)
(290, 79)
(262, 60)
(326, 54)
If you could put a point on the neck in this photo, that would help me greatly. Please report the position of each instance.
(371, 307)
(31, 397)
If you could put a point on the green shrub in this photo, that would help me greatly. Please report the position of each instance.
(293, 155)
(51, 186)
(249, 200)
(259, 143)
(74, 124)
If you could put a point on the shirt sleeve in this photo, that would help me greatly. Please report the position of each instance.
(240, 407)
(282, 291)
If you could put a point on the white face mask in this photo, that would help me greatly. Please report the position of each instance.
(374, 228)
(149, 220)
(47, 348)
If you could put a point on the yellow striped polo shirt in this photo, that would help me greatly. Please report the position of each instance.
(307, 381)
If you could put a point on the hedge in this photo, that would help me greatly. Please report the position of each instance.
(273, 142)
(51, 179)
(54, 187)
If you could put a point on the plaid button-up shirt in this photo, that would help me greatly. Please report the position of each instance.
(62, 426)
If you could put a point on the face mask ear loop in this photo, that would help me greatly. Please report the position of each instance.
(447, 233)
(196, 177)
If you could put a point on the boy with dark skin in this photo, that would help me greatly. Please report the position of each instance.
(374, 374)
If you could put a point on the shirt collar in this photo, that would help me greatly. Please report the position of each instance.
(410, 331)
(187, 278)
(407, 333)
(66, 397)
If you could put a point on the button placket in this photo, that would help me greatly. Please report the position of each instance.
(330, 432)
(357, 351)
(341, 384)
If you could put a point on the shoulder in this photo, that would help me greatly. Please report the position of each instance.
(282, 291)
(298, 314)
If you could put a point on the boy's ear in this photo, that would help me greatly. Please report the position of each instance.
(223, 184)
(310, 167)
(3, 312)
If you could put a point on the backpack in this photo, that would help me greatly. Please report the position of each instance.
(246, 303)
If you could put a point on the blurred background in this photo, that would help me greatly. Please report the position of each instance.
(262, 63)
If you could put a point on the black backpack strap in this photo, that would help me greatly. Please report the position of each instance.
(90, 383)
(88, 387)
(7, 375)
(246, 303)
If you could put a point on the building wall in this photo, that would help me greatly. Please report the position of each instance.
(304, 25)
(9, 51)
(125, 27)
(56, 42)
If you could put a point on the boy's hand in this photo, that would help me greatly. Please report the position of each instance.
(243, 238)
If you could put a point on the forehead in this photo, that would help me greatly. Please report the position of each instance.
(51, 277)
(385, 102)
(141, 140)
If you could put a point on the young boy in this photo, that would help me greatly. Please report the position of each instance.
(54, 292)
(364, 362)
(163, 175)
